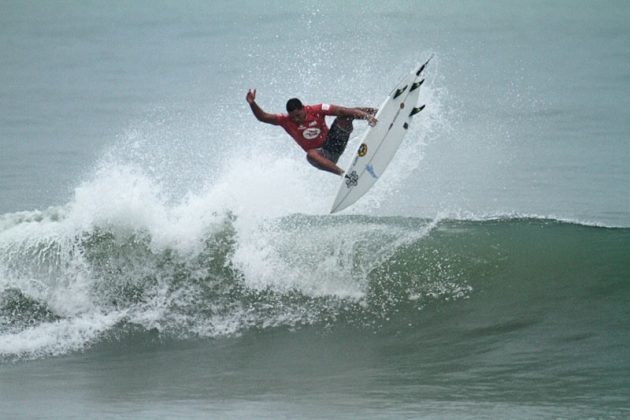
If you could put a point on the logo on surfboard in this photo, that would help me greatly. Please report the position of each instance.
(371, 171)
(352, 179)
(363, 149)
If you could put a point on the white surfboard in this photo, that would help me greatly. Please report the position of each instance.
(379, 143)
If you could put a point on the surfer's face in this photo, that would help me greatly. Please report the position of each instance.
(297, 115)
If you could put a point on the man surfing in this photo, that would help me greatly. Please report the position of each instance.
(307, 125)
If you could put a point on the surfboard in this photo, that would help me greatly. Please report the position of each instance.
(379, 143)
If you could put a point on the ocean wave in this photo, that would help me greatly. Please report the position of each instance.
(64, 289)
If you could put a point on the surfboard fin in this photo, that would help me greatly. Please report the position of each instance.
(416, 85)
(400, 91)
(423, 66)
(416, 110)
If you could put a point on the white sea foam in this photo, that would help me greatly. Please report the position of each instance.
(59, 337)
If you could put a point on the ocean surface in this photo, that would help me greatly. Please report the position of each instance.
(165, 255)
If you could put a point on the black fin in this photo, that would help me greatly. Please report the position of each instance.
(423, 66)
(416, 110)
(416, 85)
(400, 91)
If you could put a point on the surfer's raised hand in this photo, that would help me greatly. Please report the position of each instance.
(251, 96)
(257, 110)
(371, 120)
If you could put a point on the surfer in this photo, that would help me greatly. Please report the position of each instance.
(307, 125)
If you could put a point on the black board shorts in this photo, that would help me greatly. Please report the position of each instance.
(336, 142)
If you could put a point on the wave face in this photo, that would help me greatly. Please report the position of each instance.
(68, 282)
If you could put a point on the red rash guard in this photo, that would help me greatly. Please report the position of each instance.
(312, 133)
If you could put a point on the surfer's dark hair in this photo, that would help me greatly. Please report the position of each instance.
(293, 104)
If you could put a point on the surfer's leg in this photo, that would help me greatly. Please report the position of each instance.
(338, 137)
(344, 123)
(318, 158)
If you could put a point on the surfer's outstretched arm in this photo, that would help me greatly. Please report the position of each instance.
(260, 115)
(355, 113)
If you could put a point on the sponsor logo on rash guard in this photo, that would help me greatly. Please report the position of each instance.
(311, 133)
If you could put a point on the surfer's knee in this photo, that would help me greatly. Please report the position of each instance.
(312, 157)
